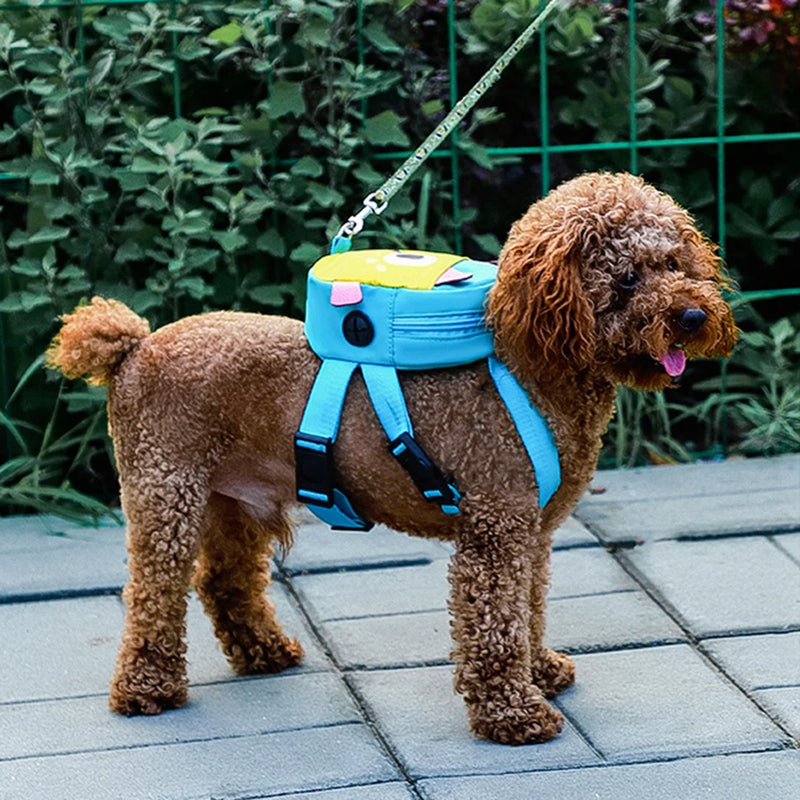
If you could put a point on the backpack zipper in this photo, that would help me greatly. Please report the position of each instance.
(442, 325)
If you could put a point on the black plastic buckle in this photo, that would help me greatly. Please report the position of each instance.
(313, 461)
(425, 474)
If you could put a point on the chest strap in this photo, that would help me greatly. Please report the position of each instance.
(319, 427)
(532, 429)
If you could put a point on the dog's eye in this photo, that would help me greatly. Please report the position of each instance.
(672, 265)
(629, 281)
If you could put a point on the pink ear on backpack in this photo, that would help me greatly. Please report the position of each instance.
(346, 293)
(452, 275)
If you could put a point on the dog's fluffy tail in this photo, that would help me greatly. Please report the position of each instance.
(95, 339)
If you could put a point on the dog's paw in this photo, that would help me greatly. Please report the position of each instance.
(132, 700)
(553, 672)
(262, 658)
(530, 723)
(148, 682)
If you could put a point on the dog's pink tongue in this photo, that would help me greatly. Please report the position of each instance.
(674, 361)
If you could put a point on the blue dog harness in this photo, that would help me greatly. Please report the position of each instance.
(380, 311)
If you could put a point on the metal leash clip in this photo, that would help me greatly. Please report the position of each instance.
(355, 224)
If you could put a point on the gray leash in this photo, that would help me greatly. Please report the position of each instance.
(376, 202)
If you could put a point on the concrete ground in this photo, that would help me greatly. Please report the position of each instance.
(677, 589)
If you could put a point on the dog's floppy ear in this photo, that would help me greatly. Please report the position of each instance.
(538, 308)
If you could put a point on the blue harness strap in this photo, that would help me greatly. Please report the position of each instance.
(320, 425)
(387, 399)
(313, 443)
(324, 407)
(313, 448)
(532, 429)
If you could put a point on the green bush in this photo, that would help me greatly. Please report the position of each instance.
(188, 156)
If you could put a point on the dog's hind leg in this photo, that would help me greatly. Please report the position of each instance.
(232, 576)
(163, 509)
(490, 577)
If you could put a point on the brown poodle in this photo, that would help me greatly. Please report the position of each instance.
(604, 282)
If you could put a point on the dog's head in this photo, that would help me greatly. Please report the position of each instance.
(608, 274)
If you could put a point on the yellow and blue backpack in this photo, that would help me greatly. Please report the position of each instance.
(385, 310)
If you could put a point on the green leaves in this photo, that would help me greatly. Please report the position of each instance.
(765, 369)
(23, 301)
(227, 34)
(287, 114)
(286, 98)
(48, 233)
(386, 129)
(767, 222)
(273, 296)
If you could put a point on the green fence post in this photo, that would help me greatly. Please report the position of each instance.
(176, 67)
(721, 229)
(81, 40)
(455, 166)
(361, 51)
(632, 120)
(544, 113)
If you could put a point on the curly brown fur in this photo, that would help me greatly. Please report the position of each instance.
(95, 339)
(604, 282)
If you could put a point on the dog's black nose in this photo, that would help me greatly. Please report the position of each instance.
(692, 319)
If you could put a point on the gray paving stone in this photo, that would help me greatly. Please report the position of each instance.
(375, 791)
(279, 763)
(608, 621)
(695, 480)
(398, 590)
(317, 547)
(365, 593)
(573, 533)
(425, 723)
(654, 503)
(758, 662)
(46, 556)
(789, 543)
(67, 648)
(775, 776)
(60, 648)
(32, 532)
(724, 586)
(586, 571)
(699, 517)
(575, 624)
(662, 703)
(389, 641)
(243, 707)
(783, 705)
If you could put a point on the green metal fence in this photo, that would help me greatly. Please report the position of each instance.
(720, 141)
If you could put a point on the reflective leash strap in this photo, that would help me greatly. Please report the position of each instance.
(376, 202)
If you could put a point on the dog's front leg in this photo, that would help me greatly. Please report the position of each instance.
(490, 577)
(552, 672)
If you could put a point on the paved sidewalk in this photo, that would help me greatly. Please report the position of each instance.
(677, 590)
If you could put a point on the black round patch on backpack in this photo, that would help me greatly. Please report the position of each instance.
(357, 328)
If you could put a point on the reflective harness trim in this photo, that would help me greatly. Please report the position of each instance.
(320, 425)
